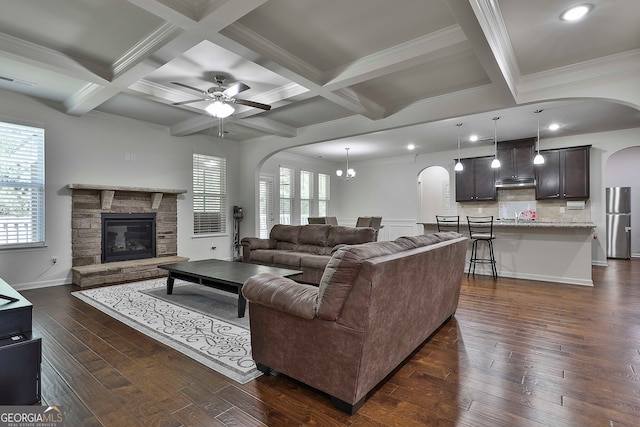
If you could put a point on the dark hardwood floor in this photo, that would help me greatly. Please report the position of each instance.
(517, 353)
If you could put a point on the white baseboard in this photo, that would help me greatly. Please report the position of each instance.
(36, 285)
(537, 277)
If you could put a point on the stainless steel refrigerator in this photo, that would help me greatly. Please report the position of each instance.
(619, 222)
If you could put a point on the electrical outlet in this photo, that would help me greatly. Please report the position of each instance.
(479, 210)
(54, 259)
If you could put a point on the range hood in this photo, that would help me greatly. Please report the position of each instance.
(515, 183)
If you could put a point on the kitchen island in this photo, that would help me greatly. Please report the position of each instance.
(545, 251)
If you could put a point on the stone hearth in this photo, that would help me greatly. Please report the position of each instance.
(89, 202)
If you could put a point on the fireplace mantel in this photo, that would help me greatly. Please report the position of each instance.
(108, 191)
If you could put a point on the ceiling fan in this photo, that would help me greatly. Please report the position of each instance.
(222, 98)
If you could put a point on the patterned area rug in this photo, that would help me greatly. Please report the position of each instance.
(197, 321)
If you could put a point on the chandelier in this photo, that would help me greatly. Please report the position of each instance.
(350, 173)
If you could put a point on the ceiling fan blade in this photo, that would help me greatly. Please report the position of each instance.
(190, 87)
(252, 104)
(187, 102)
(236, 89)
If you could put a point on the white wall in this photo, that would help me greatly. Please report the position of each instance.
(91, 150)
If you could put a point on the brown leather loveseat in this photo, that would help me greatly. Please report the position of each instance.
(376, 303)
(302, 247)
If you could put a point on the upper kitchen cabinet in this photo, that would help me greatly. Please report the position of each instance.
(476, 182)
(516, 159)
(564, 174)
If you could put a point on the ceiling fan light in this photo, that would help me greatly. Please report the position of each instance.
(339, 172)
(220, 109)
(351, 173)
(459, 167)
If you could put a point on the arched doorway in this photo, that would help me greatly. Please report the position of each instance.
(434, 193)
(622, 171)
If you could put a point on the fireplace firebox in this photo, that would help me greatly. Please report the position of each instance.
(128, 236)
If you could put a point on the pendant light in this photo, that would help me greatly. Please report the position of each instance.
(459, 167)
(495, 163)
(538, 159)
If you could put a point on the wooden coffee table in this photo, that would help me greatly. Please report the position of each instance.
(220, 274)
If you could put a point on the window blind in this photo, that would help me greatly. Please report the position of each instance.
(209, 194)
(21, 185)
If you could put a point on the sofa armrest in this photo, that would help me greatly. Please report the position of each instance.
(257, 243)
(282, 294)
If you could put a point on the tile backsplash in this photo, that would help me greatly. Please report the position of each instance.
(545, 210)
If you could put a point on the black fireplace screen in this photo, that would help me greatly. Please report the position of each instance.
(128, 236)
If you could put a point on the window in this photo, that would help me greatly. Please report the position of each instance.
(287, 194)
(324, 194)
(209, 194)
(21, 185)
(306, 196)
(266, 205)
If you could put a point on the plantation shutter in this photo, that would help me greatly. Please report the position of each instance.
(209, 194)
(21, 185)
(287, 193)
(324, 194)
(266, 206)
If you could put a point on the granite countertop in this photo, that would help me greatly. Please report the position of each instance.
(539, 224)
(529, 224)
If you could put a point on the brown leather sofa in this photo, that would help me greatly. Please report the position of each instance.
(302, 247)
(376, 303)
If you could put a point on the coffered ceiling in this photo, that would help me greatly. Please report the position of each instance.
(373, 74)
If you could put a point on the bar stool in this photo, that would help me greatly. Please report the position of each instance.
(448, 223)
(481, 230)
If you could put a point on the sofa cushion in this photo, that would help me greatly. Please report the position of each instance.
(264, 256)
(350, 235)
(342, 269)
(288, 258)
(314, 235)
(318, 262)
(285, 233)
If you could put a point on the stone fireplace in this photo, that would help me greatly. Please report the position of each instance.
(141, 233)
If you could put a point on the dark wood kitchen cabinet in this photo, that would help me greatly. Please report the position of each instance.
(476, 182)
(516, 160)
(565, 174)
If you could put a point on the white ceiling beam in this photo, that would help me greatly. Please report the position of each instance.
(442, 43)
(47, 59)
(268, 126)
(482, 23)
(193, 125)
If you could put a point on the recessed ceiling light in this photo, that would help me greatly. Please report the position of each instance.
(554, 126)
(411, 147)
(473, 138)
(576, 13)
